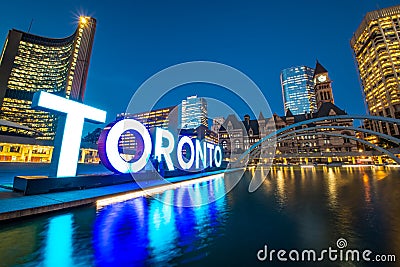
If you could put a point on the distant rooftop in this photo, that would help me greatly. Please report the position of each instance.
(374, 15)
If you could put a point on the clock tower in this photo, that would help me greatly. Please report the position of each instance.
(322, 85)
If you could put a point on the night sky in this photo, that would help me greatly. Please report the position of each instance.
(136, 39)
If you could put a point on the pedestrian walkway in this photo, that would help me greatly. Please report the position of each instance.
(14, 205)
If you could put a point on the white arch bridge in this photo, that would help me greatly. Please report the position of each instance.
(290, 131)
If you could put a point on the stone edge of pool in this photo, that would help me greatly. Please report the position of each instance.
(23, 206)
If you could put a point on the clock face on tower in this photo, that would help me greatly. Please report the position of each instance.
(322, 78)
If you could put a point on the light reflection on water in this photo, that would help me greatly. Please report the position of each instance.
(294, 208)
(59, 241)
(156, 230)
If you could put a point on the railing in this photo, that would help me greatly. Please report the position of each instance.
(278, 135)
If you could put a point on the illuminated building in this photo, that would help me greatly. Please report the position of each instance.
(322, 86)
(313, 143)
(18, 144)
(376, 47)
(314, 146)
(298, 89)
(236, 136)
(161, 118)
(8, 128)
(30, 63)
(201, 133)
(17, 152)
(194, 112)
(166, 118)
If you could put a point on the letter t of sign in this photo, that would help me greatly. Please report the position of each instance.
(69, 129)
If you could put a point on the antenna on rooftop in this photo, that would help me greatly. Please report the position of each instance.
(30, 25)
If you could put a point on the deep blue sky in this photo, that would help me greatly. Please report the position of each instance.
(136, 39)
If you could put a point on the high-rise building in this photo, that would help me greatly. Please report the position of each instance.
(194, 112)
(30, 63)
(322, 86)
(162, 118)
(298, 89)
(376, 46)
(166, 118)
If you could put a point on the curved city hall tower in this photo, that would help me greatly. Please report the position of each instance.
(322, 86)
(30, 63)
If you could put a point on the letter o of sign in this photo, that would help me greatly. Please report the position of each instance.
(108, 146)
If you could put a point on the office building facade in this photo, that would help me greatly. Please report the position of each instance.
(298, 89)
(376, 47)
(237, 136)
(166, 118)
(30, 63)
(162, 118)
(194, 112)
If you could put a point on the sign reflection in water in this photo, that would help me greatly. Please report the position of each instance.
(149, 230)
(58, 251)
(295, 208)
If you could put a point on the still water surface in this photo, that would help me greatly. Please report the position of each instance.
(294, 209)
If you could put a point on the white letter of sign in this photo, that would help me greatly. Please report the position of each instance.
(161, 150)
(67, 142)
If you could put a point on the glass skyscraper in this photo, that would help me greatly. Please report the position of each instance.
(194, 112)
(298, 89)
(30, 63)
(376, 46)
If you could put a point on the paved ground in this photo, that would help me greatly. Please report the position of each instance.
(7, 193)
(9, 170)
(15, 205)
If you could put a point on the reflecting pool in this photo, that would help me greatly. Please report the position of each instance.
(295, 208)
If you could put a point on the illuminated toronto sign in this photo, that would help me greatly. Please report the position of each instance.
(208, 154)
(189, 153)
